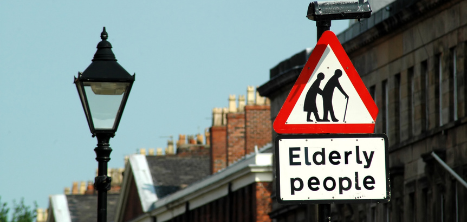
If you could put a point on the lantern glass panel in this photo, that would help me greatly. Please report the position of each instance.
(104, 99)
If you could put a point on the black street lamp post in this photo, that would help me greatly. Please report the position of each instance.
(103, 88)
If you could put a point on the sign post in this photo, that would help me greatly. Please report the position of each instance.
(326, 151)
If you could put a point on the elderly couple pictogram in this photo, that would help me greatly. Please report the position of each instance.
(326, 93)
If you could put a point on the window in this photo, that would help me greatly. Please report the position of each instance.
(424, 84)
(454, 83)
(413, 210)
(411, 101)
(439, 88)
(398, 106)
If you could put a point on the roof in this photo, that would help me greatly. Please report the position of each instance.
(79, 208)
(84, 207)
(170, 173)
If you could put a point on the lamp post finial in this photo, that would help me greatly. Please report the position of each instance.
(104, 35)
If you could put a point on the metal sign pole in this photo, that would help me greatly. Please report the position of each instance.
(323, 14)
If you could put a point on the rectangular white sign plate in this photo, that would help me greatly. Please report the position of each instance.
(332, 168)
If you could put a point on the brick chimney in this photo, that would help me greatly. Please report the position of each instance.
(217, 140)
(258, 131)
(235, 137)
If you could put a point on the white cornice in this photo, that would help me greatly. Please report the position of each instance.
(253, 168)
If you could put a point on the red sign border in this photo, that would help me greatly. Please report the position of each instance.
(280, 125)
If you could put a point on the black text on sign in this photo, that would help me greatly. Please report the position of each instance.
(323, 168)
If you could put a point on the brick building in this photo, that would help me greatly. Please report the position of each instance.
(226, 179)
(411, 55)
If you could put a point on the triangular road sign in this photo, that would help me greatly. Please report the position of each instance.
(329, 96)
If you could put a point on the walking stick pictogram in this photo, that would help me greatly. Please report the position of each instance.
(346, 107)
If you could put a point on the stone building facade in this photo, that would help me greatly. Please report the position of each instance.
(412, 56)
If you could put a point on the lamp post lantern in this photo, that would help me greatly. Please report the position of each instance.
(103, 88)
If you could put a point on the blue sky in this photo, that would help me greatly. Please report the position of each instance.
(188, 57)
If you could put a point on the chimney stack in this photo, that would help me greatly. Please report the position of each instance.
(250, 95)
(232, 104)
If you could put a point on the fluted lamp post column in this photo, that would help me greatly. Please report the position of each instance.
(103, 88)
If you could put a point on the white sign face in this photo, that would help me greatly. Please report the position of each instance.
(329, 96)
(332, 168)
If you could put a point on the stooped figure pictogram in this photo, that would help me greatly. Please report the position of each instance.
(310, 99)
(328, 92)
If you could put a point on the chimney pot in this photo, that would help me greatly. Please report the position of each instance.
(170, 148)
(250, 95)
(232, 104)
(151, 152)
(67, 191)
(207, 134)
(216, 117)
(241, 103)
(74, 189)
(191, 139)
(199, 139)
(159, 151)
(142, 151)
(82, 187)
(181, 140)
(90, 188)
(224, 115)
(259, 99)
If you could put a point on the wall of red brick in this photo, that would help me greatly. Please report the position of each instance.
(257, 126)
(263, 201)
(218, 147)
(235, 137)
